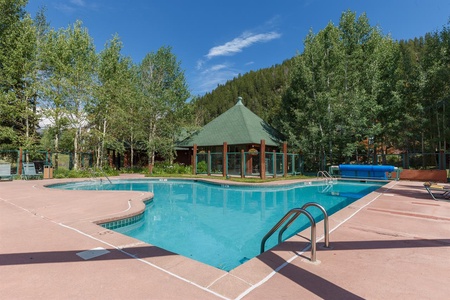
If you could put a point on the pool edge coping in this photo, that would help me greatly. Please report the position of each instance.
(224, 276)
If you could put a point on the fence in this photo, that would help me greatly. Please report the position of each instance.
(247, 164)
(418, 161)
(43, 158)
(408, 160)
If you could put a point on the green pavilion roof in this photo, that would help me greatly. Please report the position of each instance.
(237, 126)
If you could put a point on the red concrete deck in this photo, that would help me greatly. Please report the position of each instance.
(392, 244)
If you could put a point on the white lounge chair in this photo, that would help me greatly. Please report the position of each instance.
(29, 171)
(5, 172)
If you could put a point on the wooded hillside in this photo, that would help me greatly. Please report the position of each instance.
(261, 90)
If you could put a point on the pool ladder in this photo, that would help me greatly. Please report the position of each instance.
(325, 175)
(290, 217)
(94, 175)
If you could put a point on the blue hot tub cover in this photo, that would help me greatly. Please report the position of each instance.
(365, 171)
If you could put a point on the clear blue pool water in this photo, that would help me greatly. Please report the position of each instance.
(223, 225)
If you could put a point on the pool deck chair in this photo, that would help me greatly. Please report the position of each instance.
(29, 171)
(5, 172)
(437, 190)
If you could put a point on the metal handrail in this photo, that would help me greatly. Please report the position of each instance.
(295, 212)
(325, 223)
(326, 227)
(104, 174)
(326, 176)
(101, 172)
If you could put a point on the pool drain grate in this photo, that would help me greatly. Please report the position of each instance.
(89, 254)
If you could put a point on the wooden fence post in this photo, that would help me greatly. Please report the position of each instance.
(224, 159)
(262, 160)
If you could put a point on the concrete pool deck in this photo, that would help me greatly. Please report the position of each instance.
(393, 243)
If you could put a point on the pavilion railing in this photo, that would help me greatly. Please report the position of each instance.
(247, 164)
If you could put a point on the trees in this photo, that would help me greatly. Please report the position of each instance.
(69, 66)
(435, 65)
(163, 94)
(112, 109)
(335, 97)
(18, 75)
(350, 87)
(353, 90)
(261, 91)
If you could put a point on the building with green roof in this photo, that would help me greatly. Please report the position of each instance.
(238, 126)
(238, 129)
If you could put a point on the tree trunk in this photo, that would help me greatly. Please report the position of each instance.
(131, 152)
(151, 150)
(75, 150)
(56, 149)
(102, 147)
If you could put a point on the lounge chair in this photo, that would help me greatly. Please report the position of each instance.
(5, 172)
(437, 190)
(29, 171)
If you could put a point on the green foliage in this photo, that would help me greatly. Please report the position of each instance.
(114, 103)
(202, 167)
(84, 173)
(18, 75)
(165, 168)
(351, 83)
(163, 101)
(134, 170)
(66, 173)
(261, 91)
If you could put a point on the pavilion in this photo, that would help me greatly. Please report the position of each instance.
(238, 132)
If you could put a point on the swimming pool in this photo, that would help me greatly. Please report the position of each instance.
(223, 225)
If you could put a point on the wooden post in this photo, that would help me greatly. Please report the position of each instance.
(242, 163)
(208, 160)
(224, 159)
(20, 166)
(274, 164)
(285, 159)
(194, 160)
(262, 160)
(249, 164)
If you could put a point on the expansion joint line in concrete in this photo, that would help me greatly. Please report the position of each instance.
(117, 248)
(275, 271)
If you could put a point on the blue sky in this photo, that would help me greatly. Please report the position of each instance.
(217, 40)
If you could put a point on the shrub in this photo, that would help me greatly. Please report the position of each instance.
(202, 167)
(164, 168)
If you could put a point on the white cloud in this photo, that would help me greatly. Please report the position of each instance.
(210, 77)
(78, 3)
(65, 8)
(73, 6)
(247, 39)
(216, 68)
